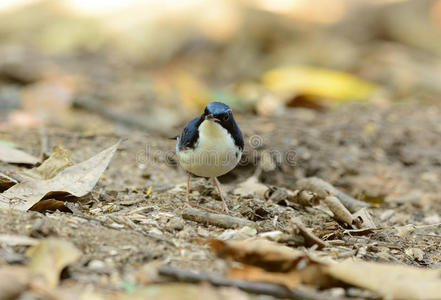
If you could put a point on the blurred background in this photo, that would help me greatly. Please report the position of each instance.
(153, 64)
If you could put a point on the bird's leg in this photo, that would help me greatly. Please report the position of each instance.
(224, 205)
(187, 193)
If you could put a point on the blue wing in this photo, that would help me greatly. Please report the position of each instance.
(190, 134)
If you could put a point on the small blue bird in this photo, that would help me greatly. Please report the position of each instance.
(210, 145)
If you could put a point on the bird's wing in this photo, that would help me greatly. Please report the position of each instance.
(190, 134)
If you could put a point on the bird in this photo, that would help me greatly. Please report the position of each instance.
(210, 145)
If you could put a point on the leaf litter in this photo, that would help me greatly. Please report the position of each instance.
(12, 155)
(77, 180)
(368, 151)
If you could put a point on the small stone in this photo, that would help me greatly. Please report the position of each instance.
(96, 265)
(175, 224)
(240, 234)
(203, 232)
(416, 253)
(155, 231)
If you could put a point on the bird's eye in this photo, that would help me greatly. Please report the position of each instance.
(226, 117)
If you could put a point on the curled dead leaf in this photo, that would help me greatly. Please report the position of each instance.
(13, 281)
(389, 281)
(58, 161)
(268, 255)
(50, 257)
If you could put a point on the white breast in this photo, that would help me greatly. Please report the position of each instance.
(215, 153)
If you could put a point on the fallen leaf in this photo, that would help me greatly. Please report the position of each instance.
(15, 156)
(288, 279)
(50, 205)
(389, 281)
(50, 257)
(251, 186)
(238, 234)
(77, 180)
(59, 160)
(363, 219)
(13, 281)
(6, 182)
(324, 83)
(260, 252)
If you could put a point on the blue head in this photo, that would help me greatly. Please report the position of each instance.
(222, 114)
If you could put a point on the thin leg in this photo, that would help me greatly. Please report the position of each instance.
(224, 205)
(187, 193)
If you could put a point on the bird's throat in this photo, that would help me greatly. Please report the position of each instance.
(212, 130)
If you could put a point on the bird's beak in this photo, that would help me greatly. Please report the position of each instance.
(211, 118)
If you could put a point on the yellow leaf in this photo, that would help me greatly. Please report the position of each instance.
(149, 191)
(317, 82)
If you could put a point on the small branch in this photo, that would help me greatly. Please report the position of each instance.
(324, 189)
(219, 220)
(338, 209)
(261, 288)
(310, 237)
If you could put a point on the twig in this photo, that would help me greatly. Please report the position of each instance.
(324, 189)
(262, 288)
(219, 220)
(310, 237)
(338, 209)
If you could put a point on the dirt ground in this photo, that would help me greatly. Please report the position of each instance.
(389, 157)
(358, 107)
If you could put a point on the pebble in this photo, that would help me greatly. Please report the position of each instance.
(175, 224)
(155, 231)
(97, 265)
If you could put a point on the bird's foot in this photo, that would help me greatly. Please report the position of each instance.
(225, 207)
(186, 205)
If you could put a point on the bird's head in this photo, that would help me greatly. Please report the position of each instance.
(218, 112)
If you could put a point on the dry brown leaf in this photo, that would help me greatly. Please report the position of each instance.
(6, 182)
(363, 219)
(50, 257)
(77, 180)
(58, 161)
(13, 281)
(50, 205)
(389, 281)
(251, 186)
(290, 279)
(15, 156)
(260, 252)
